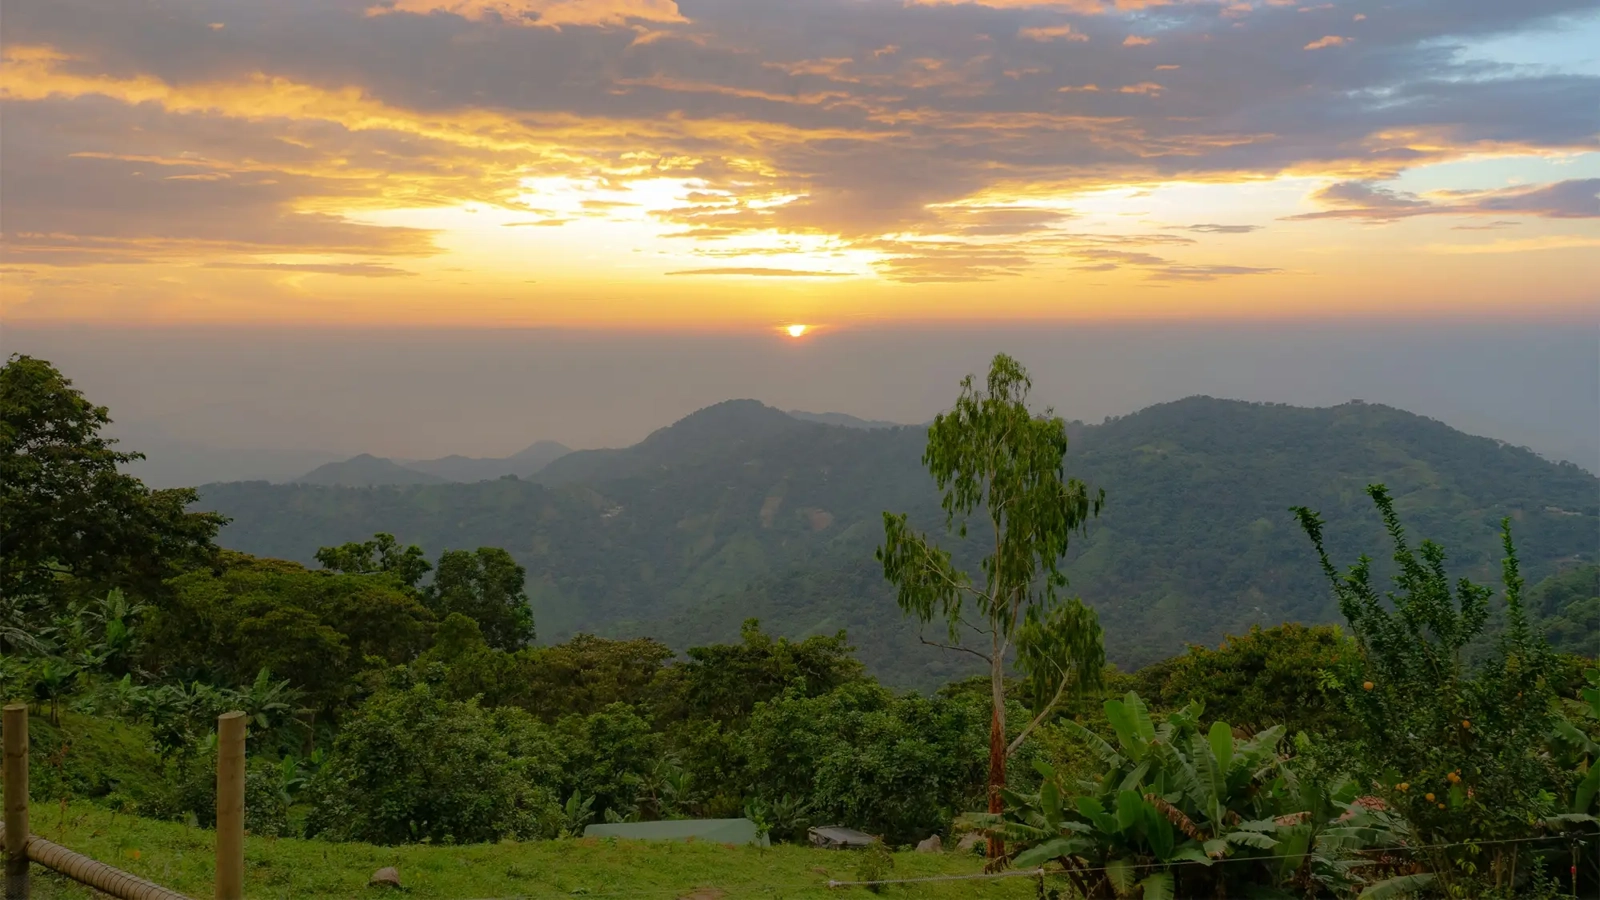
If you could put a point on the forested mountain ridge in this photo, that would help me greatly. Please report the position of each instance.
(741, 510)
(366, 470)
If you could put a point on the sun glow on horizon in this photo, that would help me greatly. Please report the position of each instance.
(796, 330)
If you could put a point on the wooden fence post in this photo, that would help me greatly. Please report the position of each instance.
(16, 782)
(230, 806)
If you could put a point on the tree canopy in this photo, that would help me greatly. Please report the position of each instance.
(70, 520)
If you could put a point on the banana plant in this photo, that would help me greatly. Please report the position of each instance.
(1172, 801)
(1573, 744)
(54, 678)
(270, 704)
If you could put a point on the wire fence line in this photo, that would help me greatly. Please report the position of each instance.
(1573, 839)
(1015, 873)
(1040, 872)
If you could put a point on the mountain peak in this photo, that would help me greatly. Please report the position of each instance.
(730, 420)
(541, 451)
(366, 470)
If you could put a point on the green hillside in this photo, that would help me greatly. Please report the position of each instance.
(741, 510)
(523, 463)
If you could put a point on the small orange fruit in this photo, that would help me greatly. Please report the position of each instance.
(1366, 685)
(1453, 778)
(1428, 797)
(1441, 806)
(1465, 724)
(1404, 786)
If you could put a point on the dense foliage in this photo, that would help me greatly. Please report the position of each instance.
(1274, 676)
(1454, 749)
(1567, 606)
(1445, 776)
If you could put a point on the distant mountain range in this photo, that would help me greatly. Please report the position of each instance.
(743, 510)
(367, 470)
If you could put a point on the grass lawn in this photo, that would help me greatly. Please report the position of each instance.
(181, 858)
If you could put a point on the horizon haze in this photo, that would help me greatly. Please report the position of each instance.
(213, 404)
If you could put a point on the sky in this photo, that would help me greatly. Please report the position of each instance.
(741, 165)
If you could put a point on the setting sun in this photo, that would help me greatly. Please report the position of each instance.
(796, 330)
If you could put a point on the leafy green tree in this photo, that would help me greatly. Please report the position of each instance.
(489, 586)
(1286, 675)
(992, 452)
(1567, 606)
(1454, 748)
(410, 766)
(382, 554)
(581, 676)
(608, 757)
(587, 674)
(319, 629)
(726, 681)
(471, 668)
(898, 766)
(67, 515)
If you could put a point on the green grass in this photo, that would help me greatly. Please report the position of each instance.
(91, 756)
(181, 858)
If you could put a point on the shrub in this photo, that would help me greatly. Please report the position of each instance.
(412, 766)
(1456, 749)
(897, 766)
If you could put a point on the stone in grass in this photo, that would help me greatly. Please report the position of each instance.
(388, 876)
(970, 842)
(931, 845)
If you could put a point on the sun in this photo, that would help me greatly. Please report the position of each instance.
(795, 330)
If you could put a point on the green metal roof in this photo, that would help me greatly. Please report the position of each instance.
(721, 831)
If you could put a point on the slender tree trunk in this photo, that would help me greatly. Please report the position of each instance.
(997, 746)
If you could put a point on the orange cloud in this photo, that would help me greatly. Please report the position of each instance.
(1078, 6)
(1134, 40)
(1053, 33)
(1329, 40)
(1576, 198)
(544, 13)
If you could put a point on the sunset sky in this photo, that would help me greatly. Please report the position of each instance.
(755, 163)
